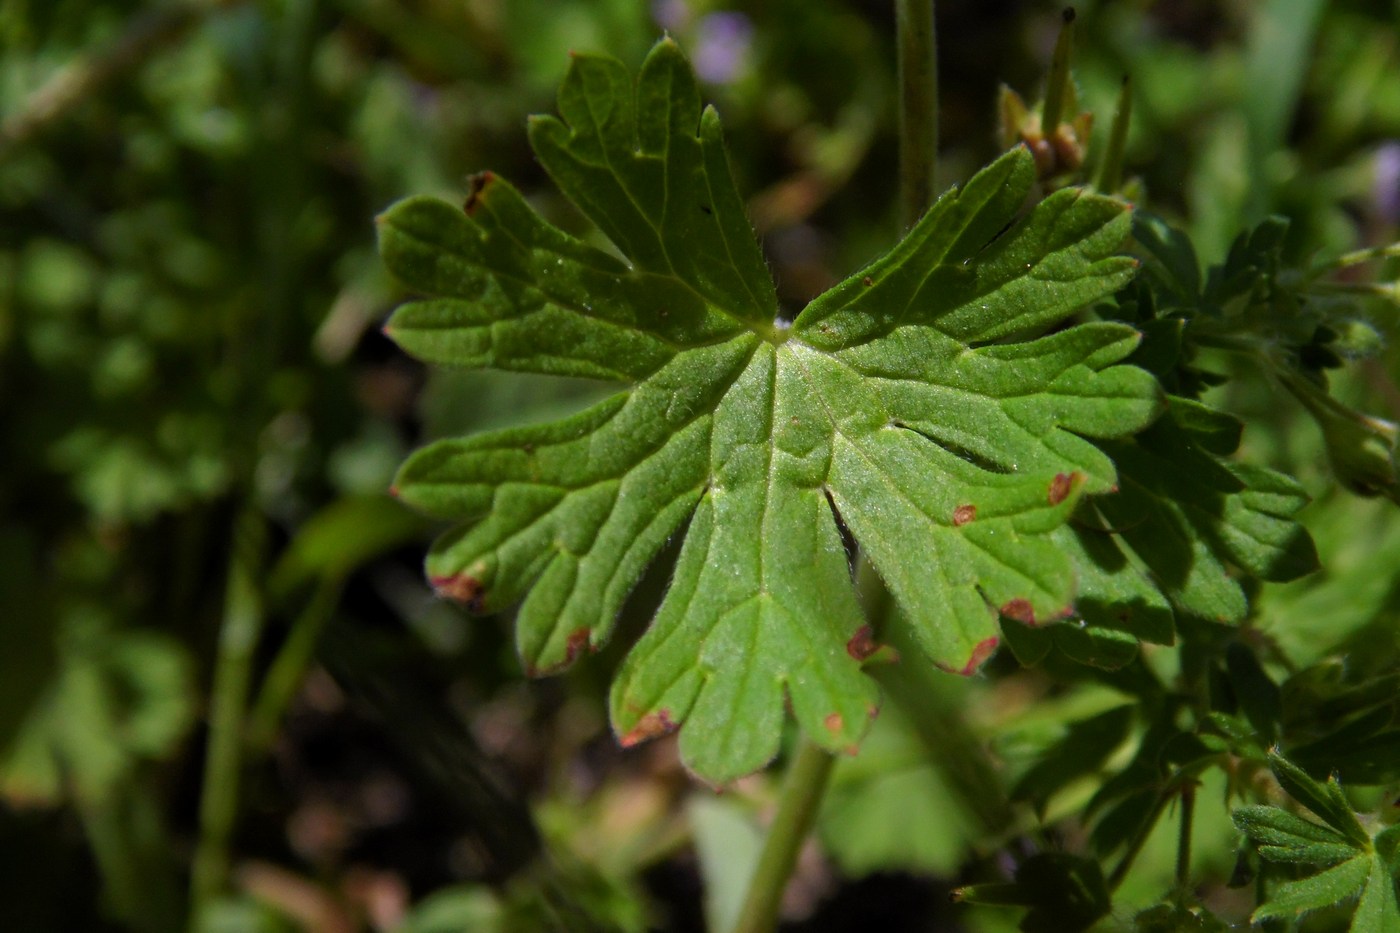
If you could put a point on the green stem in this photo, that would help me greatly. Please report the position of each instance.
(1354, 258)
(797, 808)
(1111, 170)
(285, 675)
(238, 638)
(1057, 86)
(1183, 843)
(918, 108)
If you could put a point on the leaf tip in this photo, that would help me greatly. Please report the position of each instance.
(575, 644)
(463, 588)
(964, 514)
(1019, 609)
(651, 726)
(476, 188)
(983, 650)
(862, 644)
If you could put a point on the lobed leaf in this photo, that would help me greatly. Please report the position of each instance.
(921, 405)
(1314, 892)
(1283, 837)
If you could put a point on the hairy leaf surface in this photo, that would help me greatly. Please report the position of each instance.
(924, 404)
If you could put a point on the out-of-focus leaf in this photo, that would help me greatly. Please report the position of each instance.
(342, 536)
(891, 809)
(1256, 692)
(1085, 746)
(118, 697)
(1064, 893)
(727, 843)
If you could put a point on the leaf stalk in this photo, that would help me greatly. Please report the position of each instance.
(801, 796)
(918, 108)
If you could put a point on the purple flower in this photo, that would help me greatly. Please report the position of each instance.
(671, 15)
(721, 44)
(1385, 187)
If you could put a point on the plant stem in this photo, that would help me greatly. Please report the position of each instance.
(1058, 84)
(797, 808)
(918, 108)
(1111, 169)
(238, 638)
(1183, 844)
(289, 667)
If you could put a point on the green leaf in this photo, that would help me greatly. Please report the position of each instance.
(116, 698)
(891, 808)
(920, 404)
(1087, 743)
(1316, 891)
(727, 846)
(1326, 800)
(1284, 837)
(1064, 893)
(1378, 911)
(1187, 515)
(1258, 696)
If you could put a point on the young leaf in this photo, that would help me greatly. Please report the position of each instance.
(1326, 800)
(1283, 837)
(915, 401)
(1316, 891)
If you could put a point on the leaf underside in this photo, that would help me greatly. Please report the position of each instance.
(924, 404)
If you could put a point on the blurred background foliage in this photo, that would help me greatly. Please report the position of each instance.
(200, 420)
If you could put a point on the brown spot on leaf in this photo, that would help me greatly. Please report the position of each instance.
(576, 644)
(463, 588)
(867, 281)
(979, 655)
(477, 185)
(394, 491)
(834, 723)
(964, 514)
(1060, 487)
(649, 726)
(1019, 609)
(862, 644)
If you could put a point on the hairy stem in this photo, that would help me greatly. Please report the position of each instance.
(918, 108)
(238, 638)
(797, 808)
